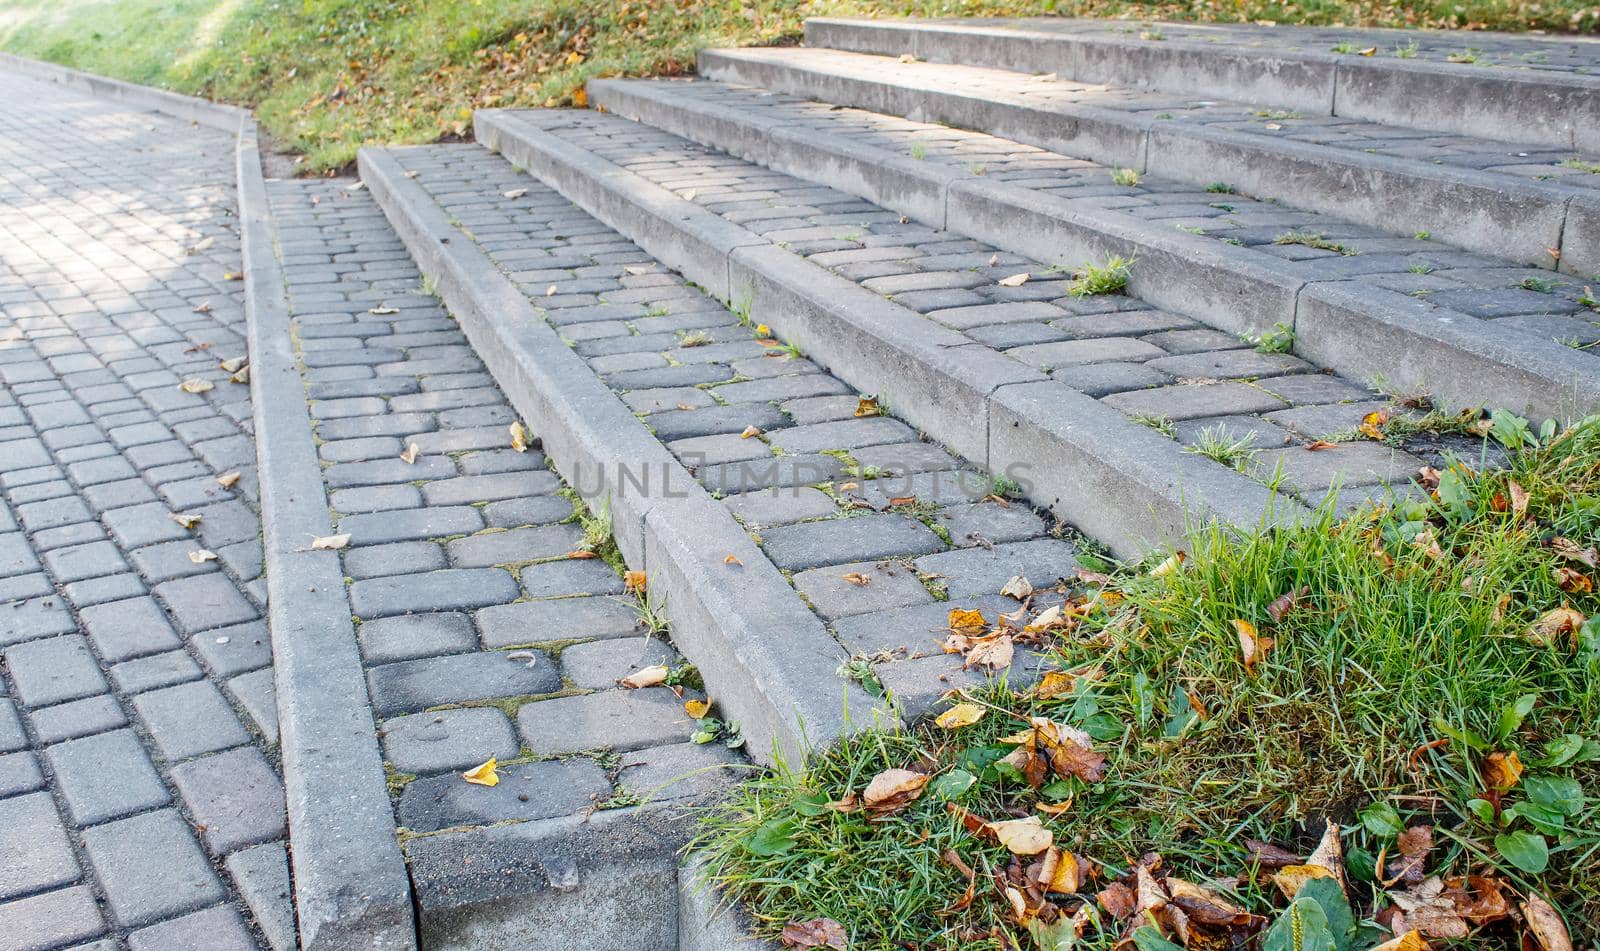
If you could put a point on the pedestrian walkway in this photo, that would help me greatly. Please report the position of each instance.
(140, 801)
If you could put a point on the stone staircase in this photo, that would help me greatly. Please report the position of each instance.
(813, 329)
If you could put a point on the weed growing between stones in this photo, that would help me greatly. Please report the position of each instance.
(1312, 239)
(1219, 445)
(1280, 339)
(1360, 712)
(1125, 177)
(1111, 277)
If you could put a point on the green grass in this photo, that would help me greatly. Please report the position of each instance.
(1219, 445)
(328, 76)
(1312, 239)
(1406, 627)
(1111, 277)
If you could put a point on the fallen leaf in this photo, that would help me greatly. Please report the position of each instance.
(330, 542)
(1015, 280)
(383, 311)
(200, 556)
(1118, 901)
(233, 364)
(1055, 683)
(867, 406)
(1372, 424)
(1284, 604)
(519, 437)
(689, 195)
(1568, 549)
(356, 187)
(243, 376)
(550, 291)
(483, 774)
(409, 456)
(195, 385)
(1060, 872)
(1573, 581)
(1410, 866)
(816, 933)
(1410, 941)
(749, 432)
(514, 193)
(648, 677)
(960, 715)
(994, 652)
(1251, 646)
(907, 58)
(893, 790)
(1369, 51)
(204, 307)
(634, 581)
(1267, 855)
(1545, 924)
(1318, 445)
(903, 500)
(186, 519)
(731, 560)
(1426, 909)
(1204, 905)
(232, 276)
(1519, 500)
(1329, 854)
(697, 708)
(966, 621)
(1291, 877)
(1054, 808)
(582, 554)
(1172, 563)
(202, 245)
(1026, 836)
(856, 578)
(1502, 770)
(1556, 624)
(1018, 587)
(228, 479)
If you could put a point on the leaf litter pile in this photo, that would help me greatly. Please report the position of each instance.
(1377, 730)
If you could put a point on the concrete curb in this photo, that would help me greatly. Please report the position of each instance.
(755, 641)
(350, 884)
(705, 921)
(1554, 109)
(1231, 288)
(193, 109)
(935, 379)
(1480, 211)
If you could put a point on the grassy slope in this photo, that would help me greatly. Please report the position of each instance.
(330, 75)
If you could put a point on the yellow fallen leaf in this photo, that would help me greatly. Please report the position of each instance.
(243, 376)
(960, 715)
(1251, 645)
(867, 406)
(483, 774)
(907, 58)
(1410, 941)
(967, 621)
(232, 276)
(519, 437)
(200, 556)
(892, 790)
(330, 542)
(697, 708)
(1054, 808)
(186, 519)
(204, 307)
(233, 364)
(1519, 500)
(1502, 770)
(648, 677)
(228, 479)
(762, 330)
(1055, 683)
(195, 385)
(1061, 872)
(1556, 624)
(1015, 280)
(1290, 878)
(731, 560)
(1369, 51)
(634, 581)
(1026, 836)
(202, 245)
(689, 195)
(409, 456)
(749, 431)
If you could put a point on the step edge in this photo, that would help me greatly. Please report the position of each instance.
(759, 681)
(215, 115)
(351, 887)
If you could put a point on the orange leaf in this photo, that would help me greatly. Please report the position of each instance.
(483, 774)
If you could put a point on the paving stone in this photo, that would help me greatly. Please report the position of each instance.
(1253, 430)
(1068, 353)
(16, 557)
(12, 737)
(447, 590)
(973, 571)
(375, 561)
(681, 771)
(843, 434)
(1106, 378)
(839, 591)
(409, 636)
(413, 524)
(19, 773)
(204, 602)
(447, 739)
(100, 590)
(714, 420)
(529, 622)
(150, 867)
(571, 577)
(836, 541)
(901, 459)
(1313, 473)
(38, 855)
(534, 510)
(1230, 365)
(138, 525)
(216, 929)
(376, 499)
(51, 920)
(261, 874)
(105, 777)
(54, 669)
(615, 719)
(157, 670)
(78, 562)
(514, 545)
(413, 685)
(189, 719)
(749, 476)
(1196, 400)
(780, 506)
(1318, 422)
(489, 488)
(233, 650)
(598, 665)
(255, 693)
(915, 630)
(77, 718)
(132, 628)
(235, 798)
(527, 791)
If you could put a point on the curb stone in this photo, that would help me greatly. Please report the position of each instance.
(725, 615)
(350, 884)
(942, 386)
(706, 920)
(203, 111)
(1233, 289)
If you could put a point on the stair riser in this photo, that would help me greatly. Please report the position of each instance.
(1478, 211)
(1545, 109)
(950, 392)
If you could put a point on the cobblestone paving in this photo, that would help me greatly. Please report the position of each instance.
(1485, 50)
(480, 635)
(1157, 366)
(880, 531)
(1538, 163)
(140, 802)
(1537, 302)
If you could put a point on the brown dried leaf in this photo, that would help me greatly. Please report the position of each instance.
(1291, 877)
(1410, 941)
(868, 406)
(1519, 500)
(1501, 771)
(1026, 836)
(1329, 854)
(856, 578)
(196, 385)
(1018, 587)
(1015, 280)
(1555, 625)
(1070, 750)
(816, 933)
(409, 457)
(1410, 866)
(1545, 924)
(233, 364)
(750, 432)
(1285, 604)
(200, 556)
(186, 519)
(994, 652)
(1426, 908)
(732, 560)
(1251, 645)
(1568, 549)
(1318, 445)
(519, 437)
(893, 790)
(1573, 581)
(967, 621)
(1267, 855)
(1060, 872)
(1204, 905)
(330, 542)
(228, 479)
(634, 582)
(1118, 901)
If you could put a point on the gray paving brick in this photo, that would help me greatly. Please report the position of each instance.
(489, 488)
(54, 669)
(234, 650)
(157, 670)
(447, 739)
(215, 929)
(450, 589)
(85, 561)
(52, 920)
(414, 685)
(857, 588)
(617, 719)
(392, 559)
(150, 867)
(105, 777)
(19, 773)
(77, 718)
(563, 578)
(38, 855)
(12, 737)
(235, 798)
(124, 629)
(598, 665)
(837, 541)
(680, 771)
(976, 571)
(204, 602)
(527, 791)
(189, 719)
(1194, 401)
(508, 625)
(535, 510)
(261, 874)
(137, 525)
(100, 590)
(409, 636)
(514, 545)
(410, 525)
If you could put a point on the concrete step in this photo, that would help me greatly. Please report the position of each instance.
(1409, 313)
(1511, 200)
(1482, 85)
